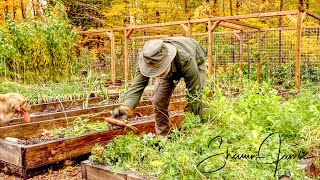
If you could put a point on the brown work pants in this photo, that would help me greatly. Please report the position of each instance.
(162, 94)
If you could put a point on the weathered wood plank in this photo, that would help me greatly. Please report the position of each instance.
(63, 104)
(25, 131)
(71, 113)
(10, 169)
(11, 152)
(95, 173)
(49, 152)
(92, 171)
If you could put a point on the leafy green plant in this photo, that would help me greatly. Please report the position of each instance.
(243, 122)
(80, 126)
(43, 93)
(52, 58)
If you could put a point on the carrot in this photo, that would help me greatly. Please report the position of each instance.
(26, 117)
(116, 122)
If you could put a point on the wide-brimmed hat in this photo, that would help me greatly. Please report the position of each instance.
(155, 57)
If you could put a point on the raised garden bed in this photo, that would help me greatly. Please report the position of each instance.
(91, 171)
(56, 120)
(19, 159)
(59, 106)
(78, 112)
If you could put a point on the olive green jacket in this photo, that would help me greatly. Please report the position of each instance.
(190, 58)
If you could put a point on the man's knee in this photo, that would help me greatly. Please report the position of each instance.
(160, 103)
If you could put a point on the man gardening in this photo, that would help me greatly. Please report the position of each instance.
(169, 60)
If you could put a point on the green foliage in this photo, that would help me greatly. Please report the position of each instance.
(243, 122)
(43, 93)
(38, 50)
(100, 13)
(80, 126)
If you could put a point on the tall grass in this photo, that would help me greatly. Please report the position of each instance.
(38, 50)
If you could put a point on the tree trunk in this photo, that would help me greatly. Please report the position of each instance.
(157, 13)
(231, 8)
(238, 4)
(223, 8)
(23, 10)
(215, 8)
(14, 8)
(185, 7)
(6, 9)
(301, 2)
(33, 8)
(126, 19)
(307, 4)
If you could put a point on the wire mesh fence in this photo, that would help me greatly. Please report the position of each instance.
(310, 52)
(232, 50)
(94, 54)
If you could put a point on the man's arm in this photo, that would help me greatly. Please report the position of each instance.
(134, 93)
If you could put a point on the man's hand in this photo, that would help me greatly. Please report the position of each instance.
(119, 113)
(123, 112)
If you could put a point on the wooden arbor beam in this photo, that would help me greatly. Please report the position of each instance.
(94, 31)
(258, 15)
(214, 26)
(294, 20)
(310, 13)
(188, 28)
(244, 24)
(231, 26)
(160, 30)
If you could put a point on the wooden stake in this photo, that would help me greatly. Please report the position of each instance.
(189, 29)
(258, 63)
(184, 27)
(310, 13)
(241, 52)
(298, 49)
(126, 56)
(209, 47)
(292, 19)
(214, 26)
(113, 58)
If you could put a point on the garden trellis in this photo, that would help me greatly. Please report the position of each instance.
(241, 43)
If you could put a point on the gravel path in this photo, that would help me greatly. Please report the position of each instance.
(73, 173)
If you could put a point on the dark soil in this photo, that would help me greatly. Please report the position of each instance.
(72, 173)
(44, 138)
(39, 139)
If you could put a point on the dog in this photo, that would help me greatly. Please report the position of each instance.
(11, 104)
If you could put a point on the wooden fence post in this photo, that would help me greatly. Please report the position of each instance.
(113, 58)
(259, 60)
(298, 49)
(127, 34)
(209, 47)
(126, 57)
(189, 29)
(241, 52)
